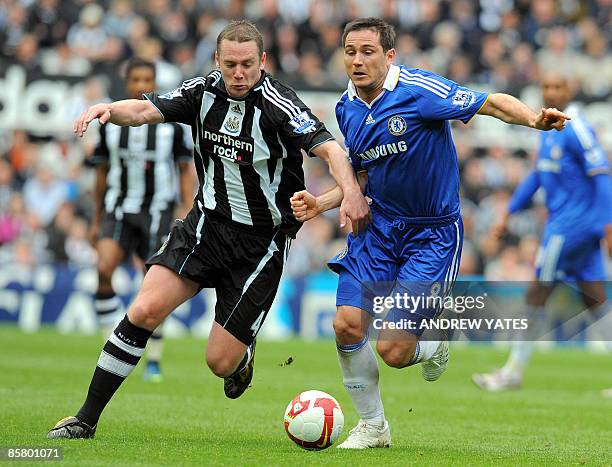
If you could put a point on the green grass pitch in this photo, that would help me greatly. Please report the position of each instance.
(558, 419)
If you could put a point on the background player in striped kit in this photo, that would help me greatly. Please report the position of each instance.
(137, 186)
(249, 131)
(395, 121)
(573, 170)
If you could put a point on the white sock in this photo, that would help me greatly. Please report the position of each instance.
(360, 374)
(109, 322)
(520, 354)
(423, 351)
(109, 310)
(155, 345)
(522, 350)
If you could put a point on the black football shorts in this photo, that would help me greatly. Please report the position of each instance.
(141, 234)
(242, 266)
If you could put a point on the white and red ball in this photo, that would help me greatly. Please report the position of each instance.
(314, 420)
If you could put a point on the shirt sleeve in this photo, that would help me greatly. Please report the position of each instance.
(182, 104)
(354, 160)
(583, 142)
(101, 154)
(525, 191)
(603, 190)
(439, 98)
(182, 145)
(295, 120)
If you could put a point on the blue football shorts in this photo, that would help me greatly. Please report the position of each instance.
(394, 258)
(570, 256)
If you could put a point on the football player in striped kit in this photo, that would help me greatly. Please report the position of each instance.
(249, 131)
(141, 172)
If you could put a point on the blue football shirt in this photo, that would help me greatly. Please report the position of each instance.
(566, 162)
(403, 140)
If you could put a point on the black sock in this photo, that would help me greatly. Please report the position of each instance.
(119, 356)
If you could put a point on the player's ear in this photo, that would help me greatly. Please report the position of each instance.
(262, 63)
(390, 55)
(217, 64)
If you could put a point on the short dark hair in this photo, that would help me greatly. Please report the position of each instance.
(241, 31)
(386, 32)
(137, 62)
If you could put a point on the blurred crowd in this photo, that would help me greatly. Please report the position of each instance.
(45, 184)
(498, 42)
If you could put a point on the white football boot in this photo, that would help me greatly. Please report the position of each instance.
(433, 368)
(365, 436)
(498, 380)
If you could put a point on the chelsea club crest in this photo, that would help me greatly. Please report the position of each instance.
(397, 125)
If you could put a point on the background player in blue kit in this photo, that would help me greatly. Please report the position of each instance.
(395, 123)
(573, 170)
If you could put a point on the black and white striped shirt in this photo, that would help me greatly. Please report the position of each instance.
(142, 173)
(247, 151)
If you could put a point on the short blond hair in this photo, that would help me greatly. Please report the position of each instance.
(241, 31)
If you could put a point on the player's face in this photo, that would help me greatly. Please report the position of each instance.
(365, 61)
(140, 81)
(555, 91)
(241, 66)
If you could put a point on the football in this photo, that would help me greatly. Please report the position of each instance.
(314, 420)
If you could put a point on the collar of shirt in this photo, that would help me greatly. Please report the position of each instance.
(572, 109)
(390, 83)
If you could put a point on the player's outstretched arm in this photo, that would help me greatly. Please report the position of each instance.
(353, 204)
(520, 199)
(305, 205)
(128, 112)
(511, 110)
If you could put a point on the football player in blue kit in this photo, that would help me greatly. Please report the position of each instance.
(573, 170)
(395, 121)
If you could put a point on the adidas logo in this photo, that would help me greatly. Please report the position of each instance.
(236, 109)
(370, 120)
